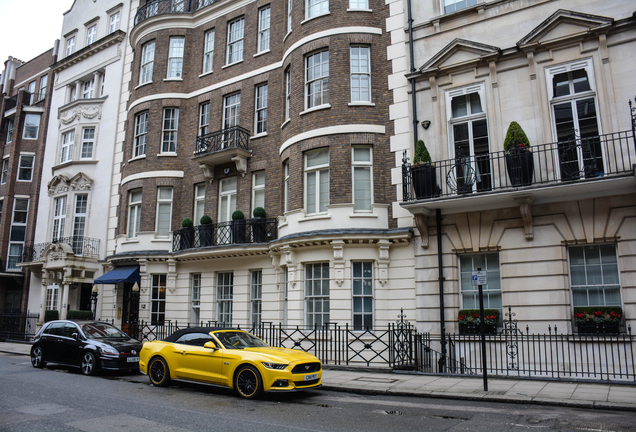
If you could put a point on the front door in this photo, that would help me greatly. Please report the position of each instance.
(130, 311)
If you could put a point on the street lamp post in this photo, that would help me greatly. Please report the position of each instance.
(94, 295)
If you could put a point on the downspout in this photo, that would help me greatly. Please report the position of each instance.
(440, 269)
(413, 98)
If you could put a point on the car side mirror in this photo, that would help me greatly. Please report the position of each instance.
(210, 344)
(75, 336)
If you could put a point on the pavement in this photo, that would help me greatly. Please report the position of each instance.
(609, 396)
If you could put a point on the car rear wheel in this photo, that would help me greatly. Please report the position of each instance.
(89, 364)
(158, 372)
(37, 357)
(248, 383)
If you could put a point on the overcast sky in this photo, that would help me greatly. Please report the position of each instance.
(30, 27)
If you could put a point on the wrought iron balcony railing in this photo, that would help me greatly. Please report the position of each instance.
(82, 246)
(574, 160)
(256, 230)
(161, 7)
(234, 137)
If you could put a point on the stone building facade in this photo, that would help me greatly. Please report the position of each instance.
(563, 237)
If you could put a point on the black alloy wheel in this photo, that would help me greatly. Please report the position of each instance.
(37, 357)
(89, 364)
(247, 382)
(158, 372)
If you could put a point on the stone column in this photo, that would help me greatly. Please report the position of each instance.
(42, 305)
(78, 89)
(64, 303)
(97, 83)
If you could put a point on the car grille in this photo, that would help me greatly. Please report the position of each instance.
(306, 383)
(306, 368)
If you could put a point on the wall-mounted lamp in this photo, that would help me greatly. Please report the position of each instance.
(426, 124)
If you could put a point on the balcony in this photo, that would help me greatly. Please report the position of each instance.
(240, 232)
(162, 7)
(227, 145)
(81, 246)
(580, 165)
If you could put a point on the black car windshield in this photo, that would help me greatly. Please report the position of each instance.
(239, 340)
(102, 331)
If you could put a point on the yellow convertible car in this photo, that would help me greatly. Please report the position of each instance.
(228, 358)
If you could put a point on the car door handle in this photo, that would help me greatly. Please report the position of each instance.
(184, 352)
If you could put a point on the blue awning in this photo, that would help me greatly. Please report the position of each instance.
(119, 274)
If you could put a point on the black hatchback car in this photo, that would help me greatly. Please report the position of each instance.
(89, 345)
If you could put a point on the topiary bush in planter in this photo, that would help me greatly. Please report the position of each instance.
(187, 234)
(519, 158)
(51, 315)
(238, 227)
(423, 173)
(206, 231)
(259, 225)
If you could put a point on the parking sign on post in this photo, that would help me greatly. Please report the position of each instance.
(479, 278)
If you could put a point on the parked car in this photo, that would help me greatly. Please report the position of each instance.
(229, 358)
(89, 345)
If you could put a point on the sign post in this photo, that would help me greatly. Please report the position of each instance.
(480, 278)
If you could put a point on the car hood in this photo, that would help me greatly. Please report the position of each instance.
(284, 355)
(121, 345)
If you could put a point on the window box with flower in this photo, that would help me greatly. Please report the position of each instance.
(469, 322)
(598, 320)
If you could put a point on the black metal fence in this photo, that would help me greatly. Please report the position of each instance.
(82, 246)
(255, 230)
(232, 137)
(161, 7)
(18, 326)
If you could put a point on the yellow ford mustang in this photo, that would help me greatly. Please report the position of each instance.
(229, 358)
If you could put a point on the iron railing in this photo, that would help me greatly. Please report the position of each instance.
(161, 7)
(255, 230)
(574, 160)
(82, 246)
(18, 326)
(233, 137)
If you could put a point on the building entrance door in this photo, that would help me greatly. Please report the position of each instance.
(130, 311)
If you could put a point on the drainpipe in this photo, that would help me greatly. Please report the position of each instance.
(413, 98)
(440, 269)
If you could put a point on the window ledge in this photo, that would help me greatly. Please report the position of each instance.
(313, 217)
(315, 17)
(206, 74)
(260, 135)
(130, 240)
(172, 79)
(285, 123)
(316, 108)
(232, 64)
(144, 84)
(363, 214)
(167, 154)
(161, 240)
(262, 53)
(359, 10)
(140, 157)
(74, 162)
(369, 104)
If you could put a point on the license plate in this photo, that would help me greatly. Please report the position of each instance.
(311, 377)
(132, 359)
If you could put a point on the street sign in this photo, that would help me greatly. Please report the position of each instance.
(479, 278)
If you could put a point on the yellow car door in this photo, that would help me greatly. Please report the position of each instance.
(193, 361)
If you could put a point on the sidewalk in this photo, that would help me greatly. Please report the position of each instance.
(573, 394)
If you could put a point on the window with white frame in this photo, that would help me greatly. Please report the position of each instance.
(224, 297)
(52, 292)
(316, 294)
(101, 90)
(70, 46)
(468, 130)
(235, 34)
(17, 234)
(158, 299)
(256, 296)
(164, 211)
(208, 51)
(575, 122)
(1, 204)
(360, 74)
(286, 186)
(170, 126)
(175, 57)
(316, 181)
(66, 152)
(317, 79)
(455, 5)
(199, 203)
(196, 298)
(147, 62)
(289, 15)
(31, 126)
(231, 110)
(227, 199)
(59, 218)
(5, 170)
(263, 28)
(43, 83)
(260, 120)
(25, 168)
(31, 91)
(90, 34)
(359, 4)
(113, 24)
(288, 93)
(594, 275)
(79, 223)
(134, 213)
(204, 118)
(362, 161)
(362, 287)
(88, 142)
(488, 262)
(10, 124)
(258, 189)
(316, 8)
(87, 89)
(141, 133)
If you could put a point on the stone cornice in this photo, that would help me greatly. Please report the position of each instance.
(115, 37)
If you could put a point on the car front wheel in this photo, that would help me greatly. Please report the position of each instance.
(158, 372)
(37, 357)
(247, 382)
(89, 364)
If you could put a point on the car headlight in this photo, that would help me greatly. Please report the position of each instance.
(277, 366)
(108, 350)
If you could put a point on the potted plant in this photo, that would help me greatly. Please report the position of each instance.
(469, 322)
(187, 234)
(519, 158)
(423, 173)
(598, 319)
(205, 231)
(259, 226)
(238, 227)
(51, 315)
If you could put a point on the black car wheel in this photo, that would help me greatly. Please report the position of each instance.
(37, 357)
(247, 382)
(158, 372)
(89, 364)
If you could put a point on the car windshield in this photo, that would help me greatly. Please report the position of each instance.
(102, 331)
(239, 340)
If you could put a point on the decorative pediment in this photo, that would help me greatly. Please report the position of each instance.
(81, 182)
(57, 252)
(460, 53)
(565, 25)
(61, 183)
(57, 185)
